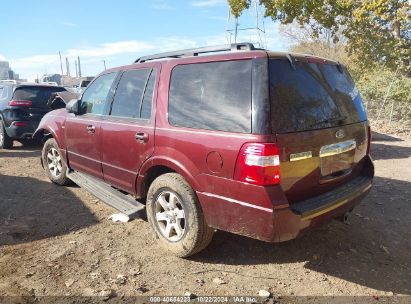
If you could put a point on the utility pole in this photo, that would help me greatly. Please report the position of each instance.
(79, 66)
(236, 30)
(67, 67)
(61, 64)
(104, 62)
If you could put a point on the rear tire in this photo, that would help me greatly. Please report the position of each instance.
(6, 142)
(175, 215)
(54, 164)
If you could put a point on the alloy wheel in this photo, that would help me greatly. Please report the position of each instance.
(170, 216)
(1, 135)
(54, 162)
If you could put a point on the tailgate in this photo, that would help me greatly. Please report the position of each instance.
(316, 161)
(320, 124)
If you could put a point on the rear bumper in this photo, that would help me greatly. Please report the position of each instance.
(21, 132)
(294, 220)
(277, 220)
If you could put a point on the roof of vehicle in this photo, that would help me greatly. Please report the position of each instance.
(28, 84)
(219, 50)
(224, 52)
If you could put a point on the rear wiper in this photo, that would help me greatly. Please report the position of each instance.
(330, 120)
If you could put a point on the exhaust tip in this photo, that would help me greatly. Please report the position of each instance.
(343, 218)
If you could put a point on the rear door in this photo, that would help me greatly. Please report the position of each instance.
(321, 126)
(83, 133)
(128, 132)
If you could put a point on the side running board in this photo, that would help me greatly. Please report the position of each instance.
(116, 199)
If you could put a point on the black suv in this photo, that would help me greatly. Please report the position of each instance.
(22, 106)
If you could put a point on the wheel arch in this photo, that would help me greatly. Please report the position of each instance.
(155, 167)
(43, 134)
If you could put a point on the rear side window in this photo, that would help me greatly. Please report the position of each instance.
(129, 93)
(212, 96)
(148, 97)
(312, 96)
(134, 94)
(39, 96)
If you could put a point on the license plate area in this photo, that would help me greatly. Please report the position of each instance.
(337, 157)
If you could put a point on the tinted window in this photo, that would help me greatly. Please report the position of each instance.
(85, 83)
(39, 96)
(129, 93)
(214, 96)
(148, 97)
(312, 96)
(95, 97)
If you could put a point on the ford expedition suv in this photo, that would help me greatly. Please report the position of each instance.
(258, 143)
(21, 108)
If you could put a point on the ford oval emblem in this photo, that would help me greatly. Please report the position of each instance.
(340, 134)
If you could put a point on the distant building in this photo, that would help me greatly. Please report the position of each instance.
(4, 70)
(11, 75)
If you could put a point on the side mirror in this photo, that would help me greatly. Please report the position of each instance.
(73, 106)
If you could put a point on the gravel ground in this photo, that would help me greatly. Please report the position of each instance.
(58, 241)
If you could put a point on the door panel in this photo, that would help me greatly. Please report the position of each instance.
(122, 153)
(127, 135)
(83, 145)
(83, 131)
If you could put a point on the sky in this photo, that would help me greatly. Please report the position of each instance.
(33, 32)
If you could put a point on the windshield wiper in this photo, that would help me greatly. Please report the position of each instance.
(339, 119)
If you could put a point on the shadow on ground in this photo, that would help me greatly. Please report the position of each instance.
(386, 151)
(376, 136)
(23, 150)
(31, 209)
(373, 250)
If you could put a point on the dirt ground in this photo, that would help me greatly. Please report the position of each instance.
(59, 241)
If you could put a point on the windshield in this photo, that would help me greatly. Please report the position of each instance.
(312, 96)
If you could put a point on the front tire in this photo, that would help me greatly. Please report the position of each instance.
(5, 141)
(174, 213)
(53, 163)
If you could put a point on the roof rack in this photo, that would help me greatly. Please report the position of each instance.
(195, 52)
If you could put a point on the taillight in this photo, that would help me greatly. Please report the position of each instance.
(20, 103)
(20, 124)
(258, 163)
(369, 139)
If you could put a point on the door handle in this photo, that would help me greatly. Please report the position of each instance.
(91, 129)
(142, 136)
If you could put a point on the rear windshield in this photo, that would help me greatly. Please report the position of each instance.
(312, 96)
(85, 83)
(38, 95)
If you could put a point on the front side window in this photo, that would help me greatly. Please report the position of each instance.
(95, 97)
(129, 93)
(212, 96)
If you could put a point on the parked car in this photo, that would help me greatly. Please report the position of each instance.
(259, 143)
(82, 85)
(21, 108)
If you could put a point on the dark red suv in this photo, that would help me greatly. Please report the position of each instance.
(258, 143)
